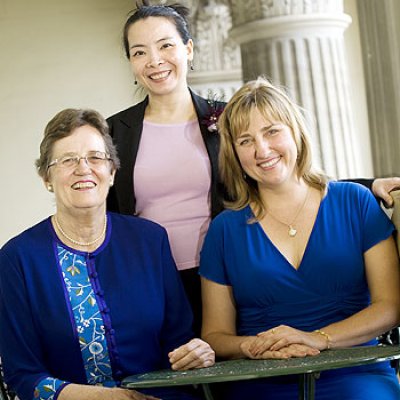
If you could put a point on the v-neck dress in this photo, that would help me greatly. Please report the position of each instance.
(328, 286)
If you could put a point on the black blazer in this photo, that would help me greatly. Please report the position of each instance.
(126, 131)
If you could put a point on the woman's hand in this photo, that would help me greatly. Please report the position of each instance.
(195, 354)
(282, 336)
(383, 186)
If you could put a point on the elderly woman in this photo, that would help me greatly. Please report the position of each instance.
(298, 264)
(89, 297)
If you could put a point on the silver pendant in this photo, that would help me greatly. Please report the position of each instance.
(292, 232)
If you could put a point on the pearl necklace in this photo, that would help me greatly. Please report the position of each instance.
(292, 231)
(83, 244)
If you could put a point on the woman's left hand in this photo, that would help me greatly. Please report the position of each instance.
(195, 354)
(283, 336)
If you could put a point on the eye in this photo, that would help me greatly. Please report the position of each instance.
(167, 45)
(272, 132)
(244, 142)
(137, 53)
(96, 157)
(69, 161)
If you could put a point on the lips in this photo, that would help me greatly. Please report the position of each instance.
(159, 75)
(270, 163)
(83, 185)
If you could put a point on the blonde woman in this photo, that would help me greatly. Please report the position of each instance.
(298, 264)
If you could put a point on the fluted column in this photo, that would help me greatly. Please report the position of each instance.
(299, 44)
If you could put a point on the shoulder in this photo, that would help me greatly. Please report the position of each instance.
(126, 114)
(348, 189)
(31, 238)
(232, 219)
(136, 225)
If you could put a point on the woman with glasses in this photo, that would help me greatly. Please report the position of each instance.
(89, 297)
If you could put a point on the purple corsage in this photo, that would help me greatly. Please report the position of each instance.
(215, 109)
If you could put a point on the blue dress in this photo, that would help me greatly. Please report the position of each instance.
(90, 318)
(329, 286)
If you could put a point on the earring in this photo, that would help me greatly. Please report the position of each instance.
(111, 182)
(191, 65)
(50, 188)
(135, 81)
(244, 176)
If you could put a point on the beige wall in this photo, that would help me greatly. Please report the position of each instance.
(57, 54)
(54, 54)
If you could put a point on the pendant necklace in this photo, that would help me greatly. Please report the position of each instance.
(83, 244)
(292, 231)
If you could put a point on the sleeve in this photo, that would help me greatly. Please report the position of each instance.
(178, 318)
(212, 258)
(112, 200)
(20, 346)
(376, 225)
(367, 183)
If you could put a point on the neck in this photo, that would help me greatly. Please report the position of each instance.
(171, 108)
(84, 233)
(283, 195)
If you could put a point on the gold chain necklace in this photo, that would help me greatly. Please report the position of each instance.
(83, 244)
(292, 231)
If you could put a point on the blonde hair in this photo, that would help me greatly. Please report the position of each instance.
(274, 105)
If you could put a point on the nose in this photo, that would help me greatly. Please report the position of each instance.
(82, 166)
(261, 148)
(155, 59)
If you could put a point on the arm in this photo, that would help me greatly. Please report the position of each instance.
(382, 272)
(219, 317)
(183, 353)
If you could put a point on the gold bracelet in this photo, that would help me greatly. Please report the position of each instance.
(326, 336)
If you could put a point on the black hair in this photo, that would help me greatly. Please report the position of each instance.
(176, 13)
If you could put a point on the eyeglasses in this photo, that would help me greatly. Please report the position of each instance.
(93, 159)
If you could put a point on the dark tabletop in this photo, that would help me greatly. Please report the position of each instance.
(251, 369)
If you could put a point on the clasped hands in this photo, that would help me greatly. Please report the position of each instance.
(283, 342)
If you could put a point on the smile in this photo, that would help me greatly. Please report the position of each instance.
(159, 75)
(270, 163)
(83, 185)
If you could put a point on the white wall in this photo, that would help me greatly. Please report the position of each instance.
(54, 54)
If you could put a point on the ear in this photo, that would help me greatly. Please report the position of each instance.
(48, 185)
(189, 47)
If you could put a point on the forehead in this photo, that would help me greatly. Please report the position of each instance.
(80, 141)
(151, 29)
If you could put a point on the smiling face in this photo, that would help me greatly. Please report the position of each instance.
(80, 187)
(267, 151)
(158, 56)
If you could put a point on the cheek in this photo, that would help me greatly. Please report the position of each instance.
(245, 157)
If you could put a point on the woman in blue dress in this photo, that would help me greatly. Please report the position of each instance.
(298, 264)
(89, 297)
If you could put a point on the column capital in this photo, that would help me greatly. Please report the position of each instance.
(299, 25)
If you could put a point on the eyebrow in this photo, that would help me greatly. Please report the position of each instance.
(265, 127)
(143, 45)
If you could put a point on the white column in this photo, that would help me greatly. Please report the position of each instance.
(299, 44)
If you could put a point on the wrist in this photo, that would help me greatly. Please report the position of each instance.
(326, 337)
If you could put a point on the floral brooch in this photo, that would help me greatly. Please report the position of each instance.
(215, 109)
